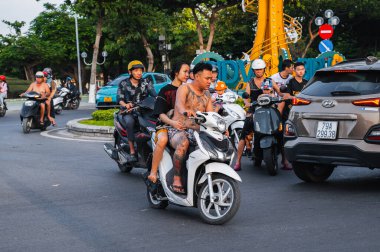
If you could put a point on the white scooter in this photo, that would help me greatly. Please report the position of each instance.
(233, 114)
(59, 100)
(211, 183)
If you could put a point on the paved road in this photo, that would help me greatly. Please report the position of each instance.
(59, 195)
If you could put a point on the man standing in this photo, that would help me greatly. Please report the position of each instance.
(297, 83)
(3, 89)
(190, 98)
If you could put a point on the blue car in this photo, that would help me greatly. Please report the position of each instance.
(106, 97)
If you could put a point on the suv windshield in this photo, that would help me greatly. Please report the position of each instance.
(341, 83)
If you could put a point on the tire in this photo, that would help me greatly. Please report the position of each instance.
(2, 112)
(124, 168)
(154, 202)
(75, 104)
(236, 138)
(26, 125)
(270, 159)
(58, 111)
(233, 197)
(312, 172)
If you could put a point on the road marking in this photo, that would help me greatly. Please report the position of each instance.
(72, 137)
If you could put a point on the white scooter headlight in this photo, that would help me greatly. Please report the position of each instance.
(29, 103)
(222, 127)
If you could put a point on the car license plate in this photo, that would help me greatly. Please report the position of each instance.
(327, 130)
(107, 99)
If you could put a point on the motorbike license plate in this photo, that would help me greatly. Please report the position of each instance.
(327, 130)
(107, 99)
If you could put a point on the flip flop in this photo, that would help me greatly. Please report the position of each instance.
(177, 189)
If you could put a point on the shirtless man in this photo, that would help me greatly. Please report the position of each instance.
(42, 88)
(190, 98)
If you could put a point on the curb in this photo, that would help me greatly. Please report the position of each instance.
(77, 128)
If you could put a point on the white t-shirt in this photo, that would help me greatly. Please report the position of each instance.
(279, 80)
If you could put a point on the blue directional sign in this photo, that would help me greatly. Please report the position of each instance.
(325, 46)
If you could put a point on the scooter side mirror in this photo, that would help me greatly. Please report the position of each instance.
(245, 95)
(211, 90)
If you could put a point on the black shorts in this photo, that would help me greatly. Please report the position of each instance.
(247, 128)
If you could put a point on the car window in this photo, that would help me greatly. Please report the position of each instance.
(160, 79)
(117, 81)
(149, 78)
(343, 83)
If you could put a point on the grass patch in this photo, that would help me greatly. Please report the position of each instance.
(97, 123)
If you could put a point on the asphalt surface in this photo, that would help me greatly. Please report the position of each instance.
(61, 195)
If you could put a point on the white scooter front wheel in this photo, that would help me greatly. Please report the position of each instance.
(226, 200)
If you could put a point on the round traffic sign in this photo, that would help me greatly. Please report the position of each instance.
(326, 31)
(325, 46)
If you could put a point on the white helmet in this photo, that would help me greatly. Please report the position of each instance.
(258, 64)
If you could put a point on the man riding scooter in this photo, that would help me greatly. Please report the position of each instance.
(131, 91)
(43, 89)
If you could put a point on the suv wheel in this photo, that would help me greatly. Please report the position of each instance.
(312, 172)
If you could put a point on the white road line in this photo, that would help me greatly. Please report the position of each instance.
(46, 134)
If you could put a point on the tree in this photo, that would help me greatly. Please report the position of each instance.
(206, 10)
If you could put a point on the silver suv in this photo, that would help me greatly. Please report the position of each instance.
(335, 120)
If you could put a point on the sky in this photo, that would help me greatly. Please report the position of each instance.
(21, 10)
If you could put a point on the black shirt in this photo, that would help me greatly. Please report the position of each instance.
(165, 101)
(295, 87)
(129, 93)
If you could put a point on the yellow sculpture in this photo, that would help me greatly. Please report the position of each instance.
(275, 30)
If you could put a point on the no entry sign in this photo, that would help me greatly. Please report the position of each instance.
(326, 31)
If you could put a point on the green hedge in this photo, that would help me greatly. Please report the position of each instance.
(17, 86)
(103, 115)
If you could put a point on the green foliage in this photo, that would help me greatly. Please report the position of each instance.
(240, 102)
(103, 115)
(97, 123)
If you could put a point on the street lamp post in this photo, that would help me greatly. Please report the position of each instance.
(78, 57)
(91, 97)
(164, 49)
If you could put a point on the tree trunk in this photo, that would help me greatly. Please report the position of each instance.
(29, 72)
(95, 54)
(149, 53)
(199, 30)
(212, 24)
(312, 36)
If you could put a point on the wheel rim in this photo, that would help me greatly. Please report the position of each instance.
(224, 193)
(154, 199)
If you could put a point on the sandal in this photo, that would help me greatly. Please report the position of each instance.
(152, 187)
(42, 123)
(177, 189)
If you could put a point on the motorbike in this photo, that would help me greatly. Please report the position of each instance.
(233, 114)
(210, 182)
(3, 109)
(30, 113)
(145, 122)
(60, 99)
(267, 128)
